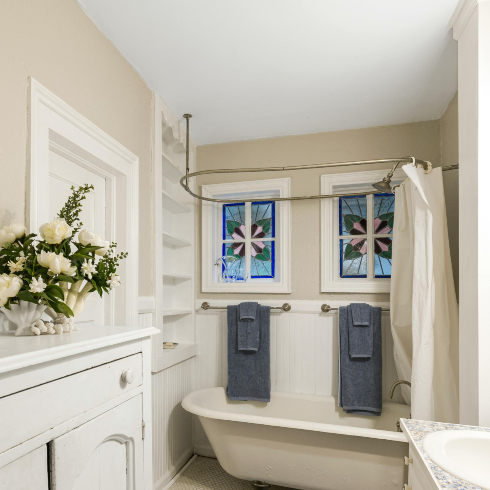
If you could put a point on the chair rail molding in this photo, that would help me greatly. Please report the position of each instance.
(461, 16)
(55, 126)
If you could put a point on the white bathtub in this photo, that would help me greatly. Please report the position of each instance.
(303, 441)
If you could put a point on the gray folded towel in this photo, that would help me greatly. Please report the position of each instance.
(249, 372)
(248, 326)
(360, 330)
(360, 378)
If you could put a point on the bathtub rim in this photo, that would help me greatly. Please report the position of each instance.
(189, 405)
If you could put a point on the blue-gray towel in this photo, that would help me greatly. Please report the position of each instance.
(249, 372)
(360, 330)
(360, 378)
(248, 326)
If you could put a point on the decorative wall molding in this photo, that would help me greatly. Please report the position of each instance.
(53, 124)
(461, 16)
(146, 304)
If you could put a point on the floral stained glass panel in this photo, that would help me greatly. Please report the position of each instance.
(263, 220)
(353, 215)
(384, 213)
(353, 257)
(382, 256)
(262, 259)
(234, 221)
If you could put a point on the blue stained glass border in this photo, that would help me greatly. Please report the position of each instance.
(273, 262)
(224, 215)
(273, 216)
(342, 263)
(340, 213)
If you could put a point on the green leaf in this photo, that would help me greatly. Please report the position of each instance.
(266, 252)
(231, 225)
(87, 250)
(386, 216)
(391, 221)
(390, 247)
(348, 250)
(26, 296)
(61, 307)
(230, 252)
(56, 291)
(81, 256)
(385, 255)
(266, 227)
(353, 256)
(263, 222)
(261, 257)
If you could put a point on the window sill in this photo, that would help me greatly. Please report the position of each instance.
(268, 288)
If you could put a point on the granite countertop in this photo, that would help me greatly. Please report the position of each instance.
(416, 430)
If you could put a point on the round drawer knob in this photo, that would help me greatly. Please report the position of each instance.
(128, 376)
(407, 487)
(407, 460)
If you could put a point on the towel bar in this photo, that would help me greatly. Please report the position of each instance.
(207, 306)
(327, 308)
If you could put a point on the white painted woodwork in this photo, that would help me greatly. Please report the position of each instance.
(103, 454)
(30, 472)
(470, 28)
(330, 249)
(175, 231)
(51, 391)
(172, 425)
(56, 128)
(63, 174)
(86, 389)
(212, 237)
(304, 352)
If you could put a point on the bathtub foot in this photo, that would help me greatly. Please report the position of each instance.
(260, 484)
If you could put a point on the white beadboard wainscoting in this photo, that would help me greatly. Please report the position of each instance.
(304, 352)
(172, 431)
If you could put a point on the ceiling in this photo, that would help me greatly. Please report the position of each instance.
(252, 69)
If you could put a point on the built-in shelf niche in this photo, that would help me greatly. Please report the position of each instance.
(175, 215)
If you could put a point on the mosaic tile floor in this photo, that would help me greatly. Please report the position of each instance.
(207, 474)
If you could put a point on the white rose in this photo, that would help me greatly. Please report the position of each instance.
(56, 231)
(17, 229)
(10, 286)
(56, 263)
(6, 237)
(86, 237)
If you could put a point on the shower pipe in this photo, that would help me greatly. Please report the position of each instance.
(383, 186)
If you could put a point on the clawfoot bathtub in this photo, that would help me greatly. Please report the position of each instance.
(303, 441)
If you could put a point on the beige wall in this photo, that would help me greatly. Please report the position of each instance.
(54, 42)
(449, 156)
(419, 139)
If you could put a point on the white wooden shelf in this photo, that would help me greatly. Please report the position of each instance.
(173, 356)
(173, 241)
(170, 170)
(173, 205)
(177, 277)
(175, 312)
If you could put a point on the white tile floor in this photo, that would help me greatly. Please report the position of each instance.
(207, 474)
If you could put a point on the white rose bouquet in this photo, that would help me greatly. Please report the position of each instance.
(52, 271)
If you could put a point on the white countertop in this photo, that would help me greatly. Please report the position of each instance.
(20, 352)
(416, 430)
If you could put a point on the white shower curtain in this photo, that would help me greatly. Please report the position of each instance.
(424, 314)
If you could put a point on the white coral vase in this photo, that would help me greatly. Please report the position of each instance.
(24, 315)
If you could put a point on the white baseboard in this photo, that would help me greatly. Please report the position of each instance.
(173, 472)
(206, 451)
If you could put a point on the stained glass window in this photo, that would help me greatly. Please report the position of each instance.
(249, 234)
(365, 235)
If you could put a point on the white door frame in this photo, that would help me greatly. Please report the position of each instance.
(54, 125)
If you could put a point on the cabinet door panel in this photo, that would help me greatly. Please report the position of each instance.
(103, 454)
(27, 473)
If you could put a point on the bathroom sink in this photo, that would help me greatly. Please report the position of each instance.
(463, 453)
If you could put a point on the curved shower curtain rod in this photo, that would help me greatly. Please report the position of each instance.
(382, 186)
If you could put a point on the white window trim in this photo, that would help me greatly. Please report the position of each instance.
(211, 230)
(342, 183)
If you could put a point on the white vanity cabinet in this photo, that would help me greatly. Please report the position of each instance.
(75, 410)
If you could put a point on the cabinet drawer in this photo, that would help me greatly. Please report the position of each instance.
(31, 412)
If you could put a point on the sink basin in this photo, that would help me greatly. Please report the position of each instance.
(463, 453)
